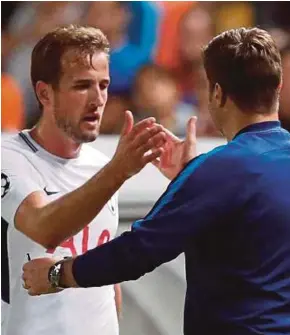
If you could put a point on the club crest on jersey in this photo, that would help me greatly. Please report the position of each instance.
(5, 184)
(112, 206)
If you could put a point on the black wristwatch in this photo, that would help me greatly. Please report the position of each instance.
(55, 272)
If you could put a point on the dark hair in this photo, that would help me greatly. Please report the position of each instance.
(246, 63)
(46, 58)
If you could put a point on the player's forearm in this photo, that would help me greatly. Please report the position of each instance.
(69, 214)
(50, 224)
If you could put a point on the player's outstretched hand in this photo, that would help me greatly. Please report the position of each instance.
(35, 276)
(177, 153)
(139, 144)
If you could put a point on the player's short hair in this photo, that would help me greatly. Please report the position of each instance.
(246, 63)
(47, 54)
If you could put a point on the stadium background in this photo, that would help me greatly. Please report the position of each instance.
(155, 70)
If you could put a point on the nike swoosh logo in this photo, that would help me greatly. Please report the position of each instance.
(48, 192)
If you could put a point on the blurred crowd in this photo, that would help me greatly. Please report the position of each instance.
(155, 61)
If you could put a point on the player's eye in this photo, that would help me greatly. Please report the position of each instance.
(104, 86)
(84, 86)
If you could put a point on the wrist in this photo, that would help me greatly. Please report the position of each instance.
(66, 275)
(116, 171)
(54, 274)
(60, 274)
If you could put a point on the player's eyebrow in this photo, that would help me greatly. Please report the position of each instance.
(83, 81)
(90, 81)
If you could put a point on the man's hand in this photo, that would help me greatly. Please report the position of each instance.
(139, 144)
(35, 276)
(177, 153)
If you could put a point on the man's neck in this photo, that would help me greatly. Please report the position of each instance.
(242, 121)
(55, 141)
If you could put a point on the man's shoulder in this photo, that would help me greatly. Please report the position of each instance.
(17, 158)
(225, 158)
(12, 147)
(208, 165)
(234, 151)
(220, 154)
(240, 157)
(261, 143)
(10, 140)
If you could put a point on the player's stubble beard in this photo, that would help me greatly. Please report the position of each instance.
(73, 131)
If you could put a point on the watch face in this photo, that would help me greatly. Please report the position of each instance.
(54, 275)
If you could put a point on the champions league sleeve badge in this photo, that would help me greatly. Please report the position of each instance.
(5, 184)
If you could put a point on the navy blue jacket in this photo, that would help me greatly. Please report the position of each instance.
(229, 212)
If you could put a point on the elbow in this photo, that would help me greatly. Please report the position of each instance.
(49, 245)
(49, 242)
(46, 239)
(37, 228)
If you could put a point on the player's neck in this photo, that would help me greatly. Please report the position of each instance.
(54, 141)
(242, 121)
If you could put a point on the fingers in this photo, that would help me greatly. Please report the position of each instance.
(166, 157)
(26, 282)
(141, 125)
(25, 286)
(147, 134)
(132, 149)
(32, 293)
(128, 123)
(190, 140)
(156, 162)
(25, 267)
(153, 156)
(33, 288)
(171, 136)
(35, 276)
(191, 131)
(26, 277)
(154, 142)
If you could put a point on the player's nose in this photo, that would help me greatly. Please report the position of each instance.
(98, 97)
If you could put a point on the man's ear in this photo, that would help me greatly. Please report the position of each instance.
(219, 95)
(44, 93)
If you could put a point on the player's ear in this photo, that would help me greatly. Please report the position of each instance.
(44, 93)
(219, 95)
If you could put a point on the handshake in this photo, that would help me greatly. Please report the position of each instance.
(139, 144)
(148, 142)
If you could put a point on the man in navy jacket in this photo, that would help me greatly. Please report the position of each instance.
(228, 210)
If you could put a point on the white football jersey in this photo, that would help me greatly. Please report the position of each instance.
(26, 168)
